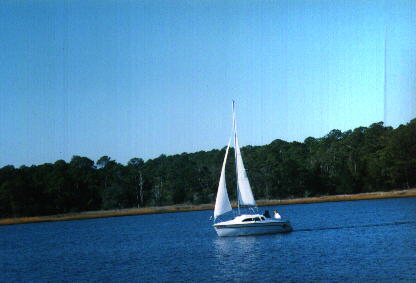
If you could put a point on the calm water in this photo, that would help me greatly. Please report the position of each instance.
(342, 241)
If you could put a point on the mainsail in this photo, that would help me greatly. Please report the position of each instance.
(244, 188)
(245, 195)
(222, 203)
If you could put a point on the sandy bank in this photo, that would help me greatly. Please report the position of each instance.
(183, 208)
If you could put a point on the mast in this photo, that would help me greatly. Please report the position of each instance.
(385, 75)
(235, 157)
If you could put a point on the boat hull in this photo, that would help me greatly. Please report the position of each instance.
(253, 228)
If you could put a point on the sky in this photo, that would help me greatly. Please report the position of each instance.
(144, 78)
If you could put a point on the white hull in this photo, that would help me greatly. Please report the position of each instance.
(269, 227)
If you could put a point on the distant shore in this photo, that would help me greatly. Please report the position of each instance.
(185, 208)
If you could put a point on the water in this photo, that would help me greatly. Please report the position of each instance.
(371, 240)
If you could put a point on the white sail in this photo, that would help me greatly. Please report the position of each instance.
(222, 203)
(245, 195)
(244, 189)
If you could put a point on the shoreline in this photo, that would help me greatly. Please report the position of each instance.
(187, 208)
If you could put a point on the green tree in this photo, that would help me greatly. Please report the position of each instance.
(136, 172)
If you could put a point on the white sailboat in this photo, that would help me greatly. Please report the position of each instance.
(243, 224)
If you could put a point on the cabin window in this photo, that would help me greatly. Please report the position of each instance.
(256, 219)
(262, 218)
(248, 219)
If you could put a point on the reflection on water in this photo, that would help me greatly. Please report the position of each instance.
(225, 246)
(236, 255)
(248, 255)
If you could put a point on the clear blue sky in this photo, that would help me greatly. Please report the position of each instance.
(144, 78)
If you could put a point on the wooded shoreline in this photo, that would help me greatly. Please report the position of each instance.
(352, 162)
(186, 208)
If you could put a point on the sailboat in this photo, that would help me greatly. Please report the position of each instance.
(243, 224)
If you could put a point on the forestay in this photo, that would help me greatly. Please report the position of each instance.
(222, 203)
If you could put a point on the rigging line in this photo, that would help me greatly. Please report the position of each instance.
(235, 156)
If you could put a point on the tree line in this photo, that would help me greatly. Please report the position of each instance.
(366, 159)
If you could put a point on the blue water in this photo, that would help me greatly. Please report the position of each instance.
(371, 240)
